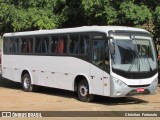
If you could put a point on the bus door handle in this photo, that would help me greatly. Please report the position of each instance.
(92, 76)
(42, 71)
(66, 73)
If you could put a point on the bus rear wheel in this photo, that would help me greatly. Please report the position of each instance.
(83, 91)
(26, 83)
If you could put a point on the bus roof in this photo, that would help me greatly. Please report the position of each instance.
(76, 29)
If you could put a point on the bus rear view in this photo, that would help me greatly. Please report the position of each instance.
(134, 64)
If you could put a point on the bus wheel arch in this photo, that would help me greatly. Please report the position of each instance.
(82, 87)
(26, 81)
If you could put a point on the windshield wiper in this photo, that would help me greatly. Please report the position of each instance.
(130, 67)
(134, 60)
(149, 65)
(137, 60)
(147, 56)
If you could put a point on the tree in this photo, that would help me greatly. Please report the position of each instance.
(99, 12)
(132, 14)
(70, 13)
(27, 15)
(22, 15)
(157, 23)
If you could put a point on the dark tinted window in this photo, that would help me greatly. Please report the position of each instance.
(79, 44)
(16, 45)
(61, 45)
(53, 43)
(74, 44)
(6, 45)
(26, 44)
(41, 44)
(11, 45)
(84, 44)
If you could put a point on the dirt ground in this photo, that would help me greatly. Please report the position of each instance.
(12, 98)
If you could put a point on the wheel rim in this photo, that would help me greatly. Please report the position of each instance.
(83, 91)
(26, 82)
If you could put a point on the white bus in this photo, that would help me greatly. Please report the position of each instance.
(109, 61)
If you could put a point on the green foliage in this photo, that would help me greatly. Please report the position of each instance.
(99, 12)
(157, 15)
(60, 9)
(133, 14)
(70, 13)
(157, 22)
(22, 15)
(41, 18)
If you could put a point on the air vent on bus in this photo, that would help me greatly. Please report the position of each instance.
(136, 86)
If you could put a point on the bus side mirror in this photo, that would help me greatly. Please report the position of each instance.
(111, 48)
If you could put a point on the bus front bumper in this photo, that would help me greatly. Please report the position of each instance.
(120, 89)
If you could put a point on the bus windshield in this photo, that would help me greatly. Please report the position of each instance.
(134, 54)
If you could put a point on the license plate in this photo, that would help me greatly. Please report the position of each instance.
(140, 90)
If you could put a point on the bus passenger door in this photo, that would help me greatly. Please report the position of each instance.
(97, 67)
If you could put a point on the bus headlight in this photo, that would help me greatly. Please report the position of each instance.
(155, 82)
(118, 82)
(118, 87)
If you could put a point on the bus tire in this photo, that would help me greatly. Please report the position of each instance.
(83, 91)
(26, 83)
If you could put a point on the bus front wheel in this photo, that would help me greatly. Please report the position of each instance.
(26, 83)
(83, 91)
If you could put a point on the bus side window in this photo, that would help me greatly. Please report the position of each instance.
(45, 44)
(10, 45)
(61, 46)
(79, 44)
(74, 44)
(23, 44)
(16, 45)
(53, 43)
(84, 44)
(29, 45)
(6, 44)
(97, 53)
(38, 44)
